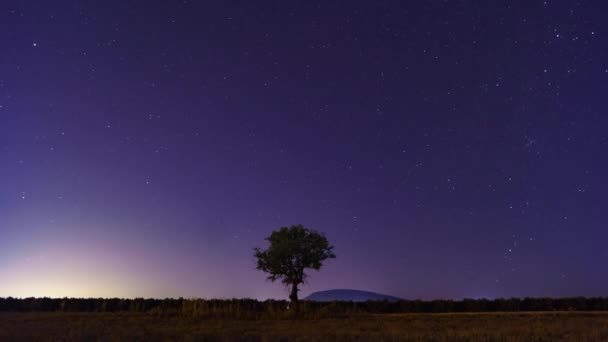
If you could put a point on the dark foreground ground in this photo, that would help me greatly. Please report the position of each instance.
(529, 326)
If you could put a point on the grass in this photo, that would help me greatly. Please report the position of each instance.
(517, 326)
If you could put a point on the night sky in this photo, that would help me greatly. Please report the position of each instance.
(448, 149)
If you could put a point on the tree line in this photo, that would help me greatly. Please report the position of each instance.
(252, 309)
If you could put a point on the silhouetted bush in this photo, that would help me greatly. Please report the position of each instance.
(279, 309)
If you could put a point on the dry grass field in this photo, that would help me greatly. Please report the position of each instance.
(528, 326)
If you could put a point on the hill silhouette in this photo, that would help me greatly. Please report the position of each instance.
(348, 295)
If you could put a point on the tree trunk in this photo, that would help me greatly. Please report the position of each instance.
(294, 295)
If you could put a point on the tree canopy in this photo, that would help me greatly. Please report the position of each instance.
(291, 251)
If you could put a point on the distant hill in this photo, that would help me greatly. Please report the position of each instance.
(348, 295)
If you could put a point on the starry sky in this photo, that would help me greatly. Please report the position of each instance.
(448, 149)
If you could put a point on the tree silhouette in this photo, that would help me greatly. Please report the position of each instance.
(291, 251)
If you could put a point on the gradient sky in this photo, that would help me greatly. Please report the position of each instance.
(448, 149)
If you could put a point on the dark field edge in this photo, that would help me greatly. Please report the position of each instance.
(276, 309)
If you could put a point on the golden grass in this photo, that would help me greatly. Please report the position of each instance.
(515, 326)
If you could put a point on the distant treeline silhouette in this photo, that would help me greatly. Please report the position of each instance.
(253, 309)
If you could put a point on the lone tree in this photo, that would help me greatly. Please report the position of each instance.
(293, 249)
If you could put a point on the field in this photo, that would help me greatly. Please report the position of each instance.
(128, 326)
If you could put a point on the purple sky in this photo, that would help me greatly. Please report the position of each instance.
(448, 149)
